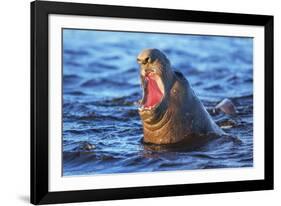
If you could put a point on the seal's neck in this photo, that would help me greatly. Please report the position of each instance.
(169, 79)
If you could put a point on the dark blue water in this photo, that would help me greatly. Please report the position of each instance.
(102, 130)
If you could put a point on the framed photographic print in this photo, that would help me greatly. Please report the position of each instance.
(131, 102)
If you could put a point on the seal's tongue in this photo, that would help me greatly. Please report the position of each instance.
(153, 93)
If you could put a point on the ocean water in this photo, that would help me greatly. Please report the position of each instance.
(102, 131)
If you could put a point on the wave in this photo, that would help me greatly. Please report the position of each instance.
(75, 52)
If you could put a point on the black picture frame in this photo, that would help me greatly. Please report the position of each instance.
(39, 102)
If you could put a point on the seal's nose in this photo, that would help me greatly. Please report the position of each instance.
(143, 60)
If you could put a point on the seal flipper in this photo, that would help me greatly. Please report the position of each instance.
(226, 106)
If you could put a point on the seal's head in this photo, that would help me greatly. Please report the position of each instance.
(155, 109)
(155, 74)
(163, 106)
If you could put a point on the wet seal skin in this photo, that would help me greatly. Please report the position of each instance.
(170, 111)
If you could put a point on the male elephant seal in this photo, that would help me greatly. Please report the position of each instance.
(170, 110)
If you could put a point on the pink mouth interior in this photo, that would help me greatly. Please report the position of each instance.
(153, 93)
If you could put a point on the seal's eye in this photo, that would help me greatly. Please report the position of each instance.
(146, 60)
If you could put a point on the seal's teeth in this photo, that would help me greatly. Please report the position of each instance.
(141, 108)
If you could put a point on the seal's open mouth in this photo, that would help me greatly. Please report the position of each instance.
(153, 91)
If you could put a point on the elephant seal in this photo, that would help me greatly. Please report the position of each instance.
(170, 110)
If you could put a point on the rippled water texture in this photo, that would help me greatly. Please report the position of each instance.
(102, 131)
